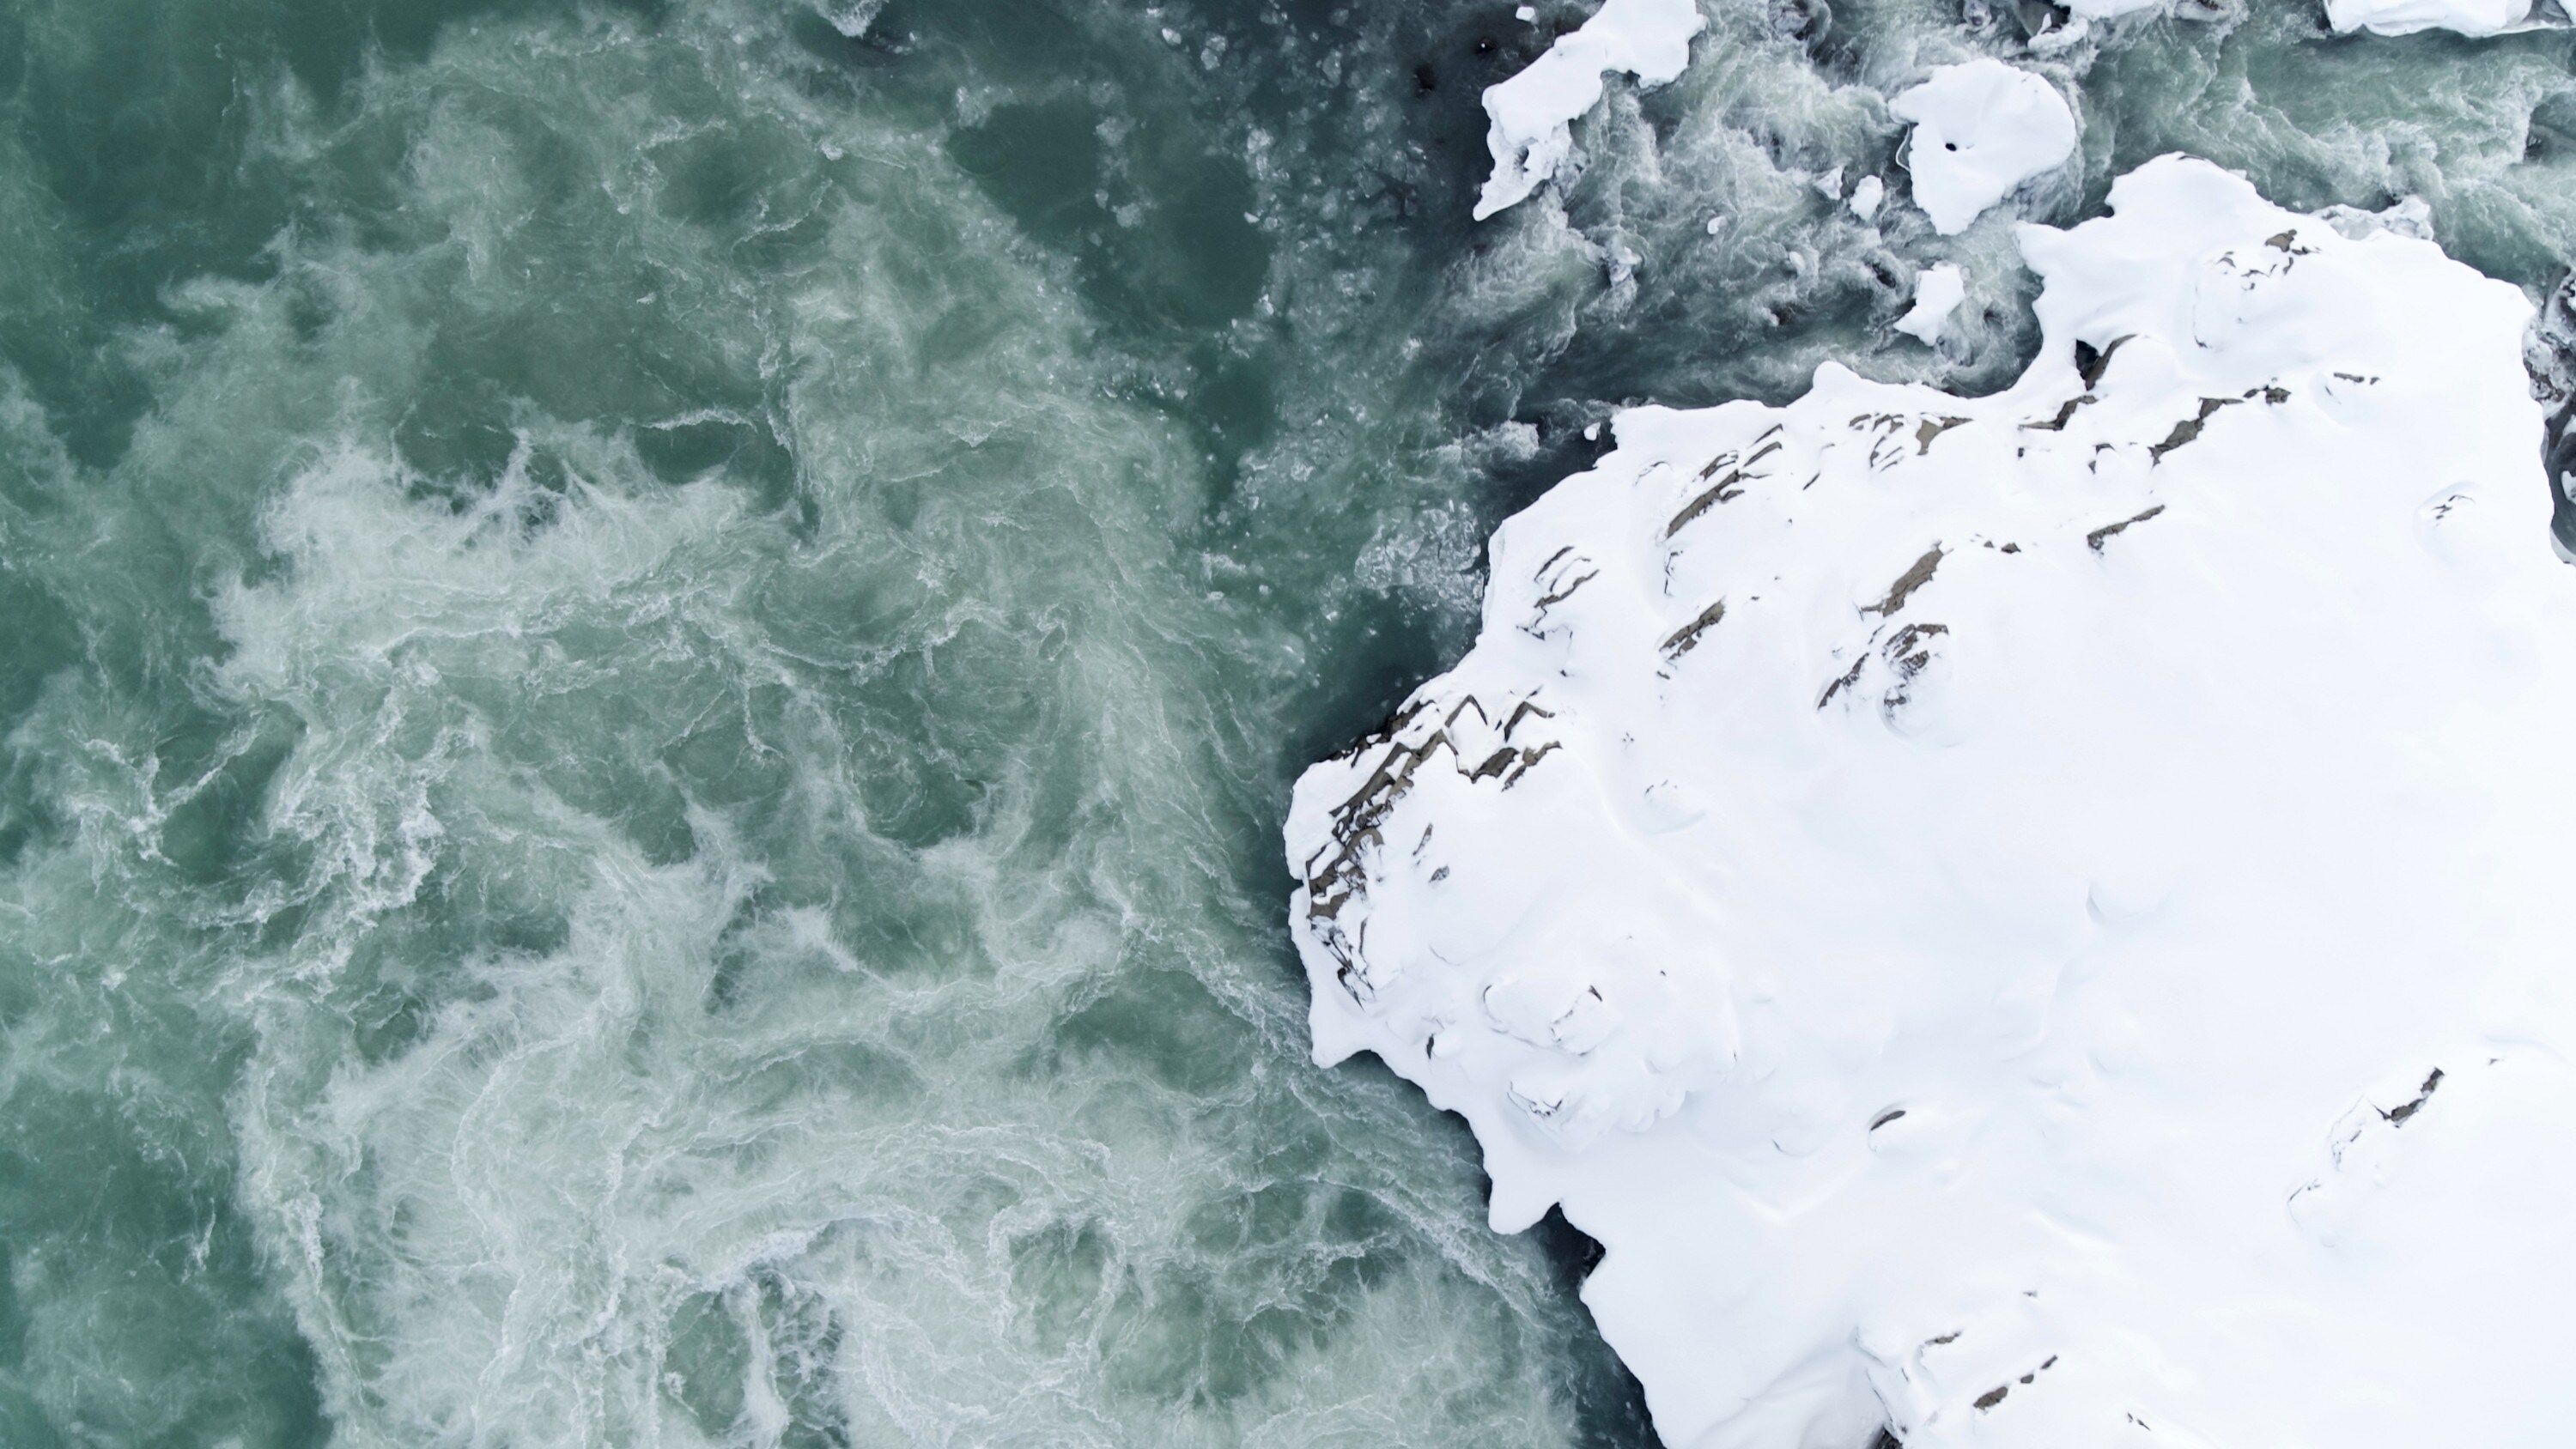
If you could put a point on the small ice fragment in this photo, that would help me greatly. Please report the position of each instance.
(1831, 184)
(1526, 14)
(1592, 433)
(1623, 263)
(1867, 193)
(1716, 224)
(1980, 130)
(1938, 291)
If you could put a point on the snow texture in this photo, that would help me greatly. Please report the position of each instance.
(2030, 920)
(1981, 130)
(1532, 113)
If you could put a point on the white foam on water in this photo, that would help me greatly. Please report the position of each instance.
(724, 969)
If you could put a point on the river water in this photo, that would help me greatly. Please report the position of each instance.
(650, 654)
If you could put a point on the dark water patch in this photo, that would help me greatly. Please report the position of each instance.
(1610, 1405)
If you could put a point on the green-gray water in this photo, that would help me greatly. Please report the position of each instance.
(649, 655)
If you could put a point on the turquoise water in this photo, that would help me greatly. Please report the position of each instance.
(650, 653)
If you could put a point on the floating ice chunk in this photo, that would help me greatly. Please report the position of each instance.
(1981, 129)
(1938, 291)
(1525, 13)
(2025, 919)
(1867, 193)
(2405, 17)
(1532, 113)
(2107, 9)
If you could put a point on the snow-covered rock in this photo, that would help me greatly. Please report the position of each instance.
(1980, 130)
(1532, 113)
(2405, 17)
(2034, 920)
(1938, 291)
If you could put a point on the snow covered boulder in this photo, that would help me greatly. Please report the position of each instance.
(1981, 130)
(2031, 920)
(1938, 291)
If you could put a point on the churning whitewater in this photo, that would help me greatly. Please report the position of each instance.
(653, 653)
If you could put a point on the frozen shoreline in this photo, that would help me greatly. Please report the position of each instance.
(2022, 919)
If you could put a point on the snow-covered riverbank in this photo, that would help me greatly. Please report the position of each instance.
(2028, 919)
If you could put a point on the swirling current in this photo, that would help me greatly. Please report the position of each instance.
(650, 652)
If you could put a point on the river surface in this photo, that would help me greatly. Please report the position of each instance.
(650, 655)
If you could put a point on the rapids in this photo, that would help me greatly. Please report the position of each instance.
(651, 652)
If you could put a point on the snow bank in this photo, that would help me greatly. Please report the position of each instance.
(2405, 17)
(2033, 920)
(1980, 130)
(1532, 113)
